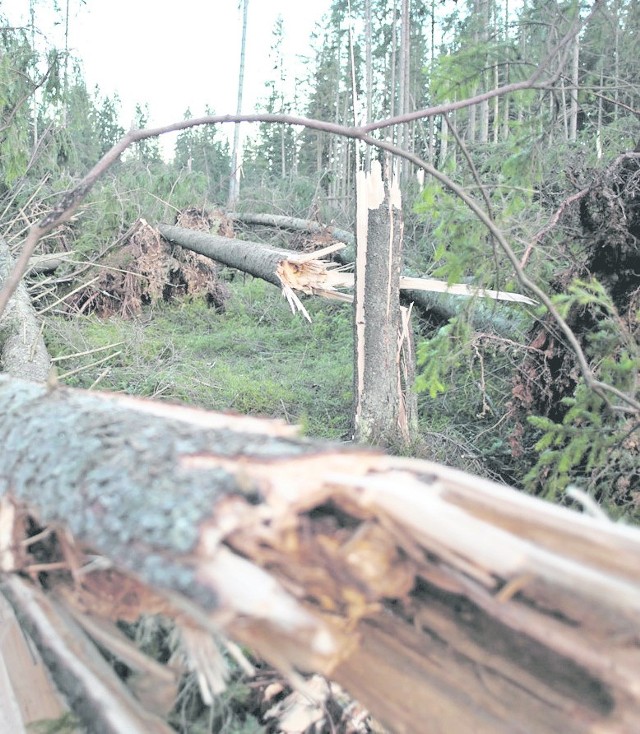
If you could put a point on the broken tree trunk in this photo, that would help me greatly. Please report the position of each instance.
(307, 273)
(22, 349)
(440, 300)
(250, 257)
(440, 600)
(384, 410)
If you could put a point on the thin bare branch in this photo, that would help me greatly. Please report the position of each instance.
(474, 171)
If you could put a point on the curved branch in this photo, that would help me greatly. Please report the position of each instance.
(70, 201)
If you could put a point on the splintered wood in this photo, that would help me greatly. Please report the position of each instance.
(441, 601)
(311, 273)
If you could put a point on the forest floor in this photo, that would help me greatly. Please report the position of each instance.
(254, 358)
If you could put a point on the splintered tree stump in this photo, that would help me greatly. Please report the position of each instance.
(441, 601)
(385, 405)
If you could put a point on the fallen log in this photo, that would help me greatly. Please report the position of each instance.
(297, 225)
(23, 352)
(44, 264)
(442, 601)
(250, 257)
(442, 305)
(307, 273)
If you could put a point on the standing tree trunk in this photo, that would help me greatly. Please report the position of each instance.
(234, 179)
(383, 414)
(404, 140)
(573, 96)
(368, 74)
(484, 20)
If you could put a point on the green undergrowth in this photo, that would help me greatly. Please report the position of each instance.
(256, 358)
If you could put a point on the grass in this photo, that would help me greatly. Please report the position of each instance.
(256, 358)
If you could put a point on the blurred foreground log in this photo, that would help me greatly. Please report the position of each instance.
(441, 601)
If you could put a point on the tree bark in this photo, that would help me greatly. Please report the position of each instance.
(383, 412)
(250, 257)
(436, 598)
(22, 349)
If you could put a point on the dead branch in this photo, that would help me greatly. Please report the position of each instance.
(436, 598)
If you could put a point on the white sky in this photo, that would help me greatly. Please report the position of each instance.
(179, 54)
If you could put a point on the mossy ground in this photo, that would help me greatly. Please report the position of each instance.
(256, 358)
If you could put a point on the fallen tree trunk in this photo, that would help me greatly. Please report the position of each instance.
(441, 305)
(305, 272)
(440, 600)
(47, 263)
(291, 271)
(22, 349)
(297, 225)
(250, 257)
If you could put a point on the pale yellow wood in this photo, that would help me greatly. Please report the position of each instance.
(27, 693)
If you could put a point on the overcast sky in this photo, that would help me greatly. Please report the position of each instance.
(176, 55)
